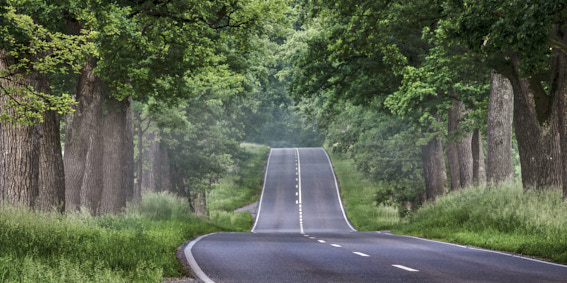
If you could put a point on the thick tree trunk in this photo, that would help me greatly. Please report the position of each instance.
(537, 131)
(434, 169)
(463, 147)
(466, 160)
(51, 169)
(559, 77)
(479, 171)
(499, 139)
(84, 144)
(452, 150)
(19, 150)
(118, 170)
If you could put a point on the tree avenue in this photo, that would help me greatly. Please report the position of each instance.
(454, 71)
(102, 101)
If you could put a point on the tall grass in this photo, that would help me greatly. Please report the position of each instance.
(137, 246)
(358, 194)
(502, 218)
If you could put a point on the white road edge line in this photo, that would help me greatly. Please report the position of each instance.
(405, 268)
(263, 189)
(298, 173)
(360, 254)
(193, 263)
(338, 192)
(478, 249)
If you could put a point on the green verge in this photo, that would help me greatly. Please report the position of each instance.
(359, 194)
(502, 218)
(135, 246)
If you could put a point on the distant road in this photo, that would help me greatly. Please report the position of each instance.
(301, 234)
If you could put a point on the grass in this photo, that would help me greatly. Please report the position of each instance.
(358, 194)
(135, 246)
(502, 218)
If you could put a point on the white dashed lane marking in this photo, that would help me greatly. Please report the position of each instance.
(360, 254)
(405, 268)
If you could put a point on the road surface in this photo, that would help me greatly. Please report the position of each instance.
(301, 234)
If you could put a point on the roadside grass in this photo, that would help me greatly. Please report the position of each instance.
(137, 245)
(358, 194)
(502, 218)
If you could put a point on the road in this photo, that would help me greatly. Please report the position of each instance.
(301, 234)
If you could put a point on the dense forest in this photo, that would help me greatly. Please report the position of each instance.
(102, 101)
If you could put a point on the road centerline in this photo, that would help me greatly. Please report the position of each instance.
(298, 179)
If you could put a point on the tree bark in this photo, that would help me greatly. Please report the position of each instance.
(117, 169)
(479, 171)
(536, 125)
(164, 174)
(51, 169)
(434, 172)
(464, 162)
(559, 77)
(151, 157)
(84, 144)
(453, 151)
(499, 129)
(19, 149)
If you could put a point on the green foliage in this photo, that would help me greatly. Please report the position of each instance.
(241, 187)
(385, 149)
(501, 218)
(138, 246)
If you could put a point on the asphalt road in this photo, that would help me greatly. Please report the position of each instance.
(301, 234)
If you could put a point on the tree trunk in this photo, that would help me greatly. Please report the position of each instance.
(537, 131)
(151, 157)
(19, 149)
(84, 144)
(559, 77)
(499, 139)
(117, 170)
(463, 147)
(139, 162)
(51, 169)
(452, 150)
(164, 172)
(479, 171)
(434, 169)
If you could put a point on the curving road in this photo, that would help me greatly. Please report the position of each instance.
(301, 234)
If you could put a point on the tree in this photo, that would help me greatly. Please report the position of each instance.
(499, 144)
(31, 154)
(523, 42)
